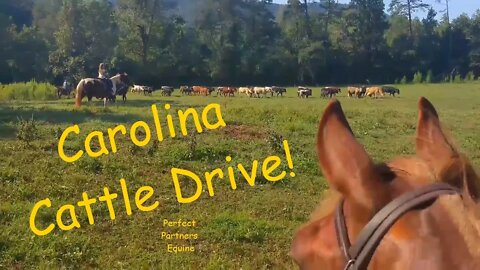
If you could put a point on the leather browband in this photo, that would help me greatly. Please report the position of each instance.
(360, 253)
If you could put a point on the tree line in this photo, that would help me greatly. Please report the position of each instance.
(236, 42)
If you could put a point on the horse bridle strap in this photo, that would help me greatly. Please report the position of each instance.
(359, 254)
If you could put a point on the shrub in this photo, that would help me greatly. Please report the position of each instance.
(404, 80)
(192, 146)
(429, 78)
(458, 78)
(27, 130)
(418, 77)
(27, 91)
(470, 77)
(153, 149)
(275, 141)
(92, 165)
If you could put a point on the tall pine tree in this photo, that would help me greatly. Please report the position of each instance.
(407, 8)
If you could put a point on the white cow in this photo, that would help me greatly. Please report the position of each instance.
(246, 90)
(261, 91)
(137, 88)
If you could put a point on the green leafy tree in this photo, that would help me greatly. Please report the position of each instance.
(407, 8)
(400, 47)
(364, 26)
(292, 23)
(236, 42)
(100, 34)
(6, 45)
(220, 30)
(68, 57)
(459, 62)
(331, 10)
(306, 15)
(428, 48)
(142, 26)
(18, 10)
(84, 39)
(46, 17)
(182, 61)
(447, 32)
(259, 34)
(29, 60)
(311, 60)
(473, 34)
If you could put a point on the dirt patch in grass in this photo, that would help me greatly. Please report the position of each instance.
(244, 132)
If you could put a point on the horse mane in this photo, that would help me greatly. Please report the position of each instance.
(116, 77)
(79, 92)
(465, 213)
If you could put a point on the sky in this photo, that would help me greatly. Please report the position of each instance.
(457, 7)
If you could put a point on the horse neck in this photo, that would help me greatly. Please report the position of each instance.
(115, 79)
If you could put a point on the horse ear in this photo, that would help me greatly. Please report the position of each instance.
(433, 146)
(431, 143)
(345, 163)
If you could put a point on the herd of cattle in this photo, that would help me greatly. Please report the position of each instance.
(302, 92)
(352, 91)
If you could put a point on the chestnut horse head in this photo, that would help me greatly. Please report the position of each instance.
(441, 234)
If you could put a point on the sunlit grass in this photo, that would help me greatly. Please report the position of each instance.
(249, 228)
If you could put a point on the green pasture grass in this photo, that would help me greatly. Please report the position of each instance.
(249, 228)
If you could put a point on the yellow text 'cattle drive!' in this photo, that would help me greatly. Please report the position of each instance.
(270, 168)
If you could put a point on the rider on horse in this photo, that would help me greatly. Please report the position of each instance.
(65, 85)
(102, 75)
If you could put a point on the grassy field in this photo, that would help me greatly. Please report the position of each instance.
(249, 228)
